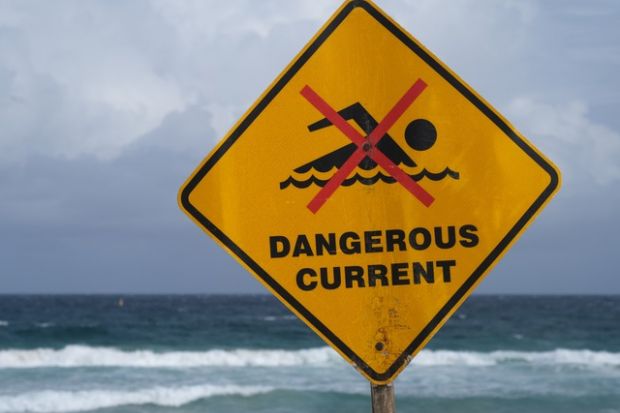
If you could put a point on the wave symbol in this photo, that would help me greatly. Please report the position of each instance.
(379, 176)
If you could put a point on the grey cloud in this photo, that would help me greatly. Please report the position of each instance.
(88, 78)
(588, 152)
(105, 226)
(106, 108)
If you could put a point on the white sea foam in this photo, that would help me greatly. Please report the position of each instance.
(278, 318)
(85, 356)
(3, 323)
(72, 401)
(554, 357)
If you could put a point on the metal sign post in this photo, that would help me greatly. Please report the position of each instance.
(382, 396)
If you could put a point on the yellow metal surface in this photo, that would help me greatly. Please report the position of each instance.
(373, 271)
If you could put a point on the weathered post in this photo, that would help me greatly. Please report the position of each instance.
(382, 396)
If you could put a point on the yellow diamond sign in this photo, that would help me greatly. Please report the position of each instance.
(370, 189)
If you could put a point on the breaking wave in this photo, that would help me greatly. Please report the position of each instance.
(279, 318)
(84, 356)
(73, 401)
(379, 176)
(554, 357)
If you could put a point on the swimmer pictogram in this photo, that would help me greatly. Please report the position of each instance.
(378, 148)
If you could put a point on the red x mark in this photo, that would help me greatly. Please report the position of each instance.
(366, 146)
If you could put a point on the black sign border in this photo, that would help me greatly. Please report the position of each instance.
(285, 295)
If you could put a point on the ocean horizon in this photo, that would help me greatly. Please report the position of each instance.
(123, 352)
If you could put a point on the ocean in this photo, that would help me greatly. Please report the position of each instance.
(242, 353)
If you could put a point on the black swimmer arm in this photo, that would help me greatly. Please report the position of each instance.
(355, 112)
(367, 123)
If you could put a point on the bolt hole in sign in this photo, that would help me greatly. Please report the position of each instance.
(369, 189)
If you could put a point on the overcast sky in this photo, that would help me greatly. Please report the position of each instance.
(107, 106)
